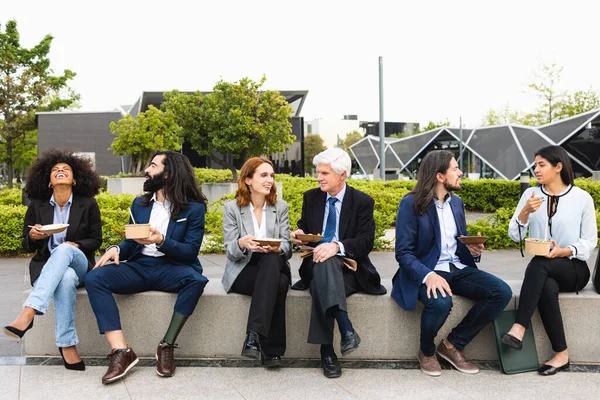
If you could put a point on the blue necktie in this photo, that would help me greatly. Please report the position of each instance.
(331, 221)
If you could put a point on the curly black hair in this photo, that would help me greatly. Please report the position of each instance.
(38, 174)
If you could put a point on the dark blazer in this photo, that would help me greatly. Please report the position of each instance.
(182, 241)
(418, 247)
(357, 234)
(85, 229)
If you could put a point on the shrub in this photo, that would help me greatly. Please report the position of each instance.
(212, 175)
(11, 197)
(495, 227)
(499, 197)
(11, 228)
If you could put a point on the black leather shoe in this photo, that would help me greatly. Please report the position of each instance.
(350, 342)
(512, 341)
(271, 361)
(251, 347)
(16, 333)
(547, 370)
(331, 367)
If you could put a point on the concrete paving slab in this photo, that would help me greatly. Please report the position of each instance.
(9, 382)
(188, 383)
(395, 384)
(56, 382)
(285, 383)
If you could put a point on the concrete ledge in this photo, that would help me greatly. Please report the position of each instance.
(217, 328)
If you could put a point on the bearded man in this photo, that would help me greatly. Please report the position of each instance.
(166, 261)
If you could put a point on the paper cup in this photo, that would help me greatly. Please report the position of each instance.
(137, 231)
(537, 247)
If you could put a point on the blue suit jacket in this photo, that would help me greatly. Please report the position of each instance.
(418, 247)
(183, 238)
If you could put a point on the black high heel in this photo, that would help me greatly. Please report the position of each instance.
(16, 333)
(78, 366)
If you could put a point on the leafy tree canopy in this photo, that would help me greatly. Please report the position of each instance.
(143, 135)
(27, 85)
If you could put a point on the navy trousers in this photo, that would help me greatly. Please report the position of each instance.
(490, 293)
(140, 275)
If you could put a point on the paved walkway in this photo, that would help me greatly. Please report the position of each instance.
(49, 383)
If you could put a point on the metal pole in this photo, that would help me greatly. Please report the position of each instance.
(381, 123)
(524, 179)
(460, 145)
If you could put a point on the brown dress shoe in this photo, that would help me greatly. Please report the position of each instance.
(429, 364)
(165, 359)
(457, 358)
(121, 361)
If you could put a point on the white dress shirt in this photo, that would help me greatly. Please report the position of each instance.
(573, 225)
(260, 232)
(159, 220)
(448, 234)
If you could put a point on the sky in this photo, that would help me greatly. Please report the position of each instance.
(442, 60)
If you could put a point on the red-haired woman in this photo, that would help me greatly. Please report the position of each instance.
(262, 272)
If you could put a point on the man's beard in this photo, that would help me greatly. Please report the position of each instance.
(450, 188)
(155, 183)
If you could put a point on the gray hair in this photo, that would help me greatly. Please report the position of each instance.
(338, 159)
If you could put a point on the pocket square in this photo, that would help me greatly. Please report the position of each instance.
(181, 220)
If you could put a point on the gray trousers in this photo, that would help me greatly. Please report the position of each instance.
(330, 285)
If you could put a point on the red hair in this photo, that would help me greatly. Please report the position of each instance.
(242, 194)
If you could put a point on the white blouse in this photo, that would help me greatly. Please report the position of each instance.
(573, 225)
(260, 232)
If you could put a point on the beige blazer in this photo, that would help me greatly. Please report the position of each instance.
(237, 222)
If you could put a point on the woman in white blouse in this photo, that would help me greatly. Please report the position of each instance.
(262, 272)
(565, 213)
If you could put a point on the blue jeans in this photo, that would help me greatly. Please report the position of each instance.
(490, 293)
(59, 279)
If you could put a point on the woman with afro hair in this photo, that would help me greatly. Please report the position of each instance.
(61, 186)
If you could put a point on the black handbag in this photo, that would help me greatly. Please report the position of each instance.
(596, 275)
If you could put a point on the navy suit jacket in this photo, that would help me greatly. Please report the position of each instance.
(356, 232)
(418, 250)
(183, 238)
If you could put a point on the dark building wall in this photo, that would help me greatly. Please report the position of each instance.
(85, 132)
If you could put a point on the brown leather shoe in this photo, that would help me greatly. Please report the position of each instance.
(165, 359)
(457, 358)
(429, 364)
(121, 361)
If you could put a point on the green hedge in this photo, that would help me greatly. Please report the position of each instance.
(499, 197)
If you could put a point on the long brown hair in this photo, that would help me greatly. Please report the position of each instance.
(437, 161)
(243, 192)
(181, 186)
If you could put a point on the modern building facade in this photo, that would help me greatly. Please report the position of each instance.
(89, 133)
(502, 151)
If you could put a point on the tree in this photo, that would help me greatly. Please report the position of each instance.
(350, 139)
(579, 102)
(503, 116)
(186, 108)
(27, 85)
(243, 121)
(544, 88)
(554, 104)
(431, 125)
(141, 136)
(313, 145)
